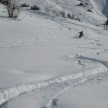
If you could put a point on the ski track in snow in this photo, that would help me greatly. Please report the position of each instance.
(90, 79)
(7, 94)
(86, 77)
(70, 80)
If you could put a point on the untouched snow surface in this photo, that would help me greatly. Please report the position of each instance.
(42, 58)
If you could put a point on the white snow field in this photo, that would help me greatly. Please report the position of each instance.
(42, 58)
(89, 96)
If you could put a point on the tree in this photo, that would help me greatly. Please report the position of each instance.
(13, 7)
(35, 7)
(5, 2)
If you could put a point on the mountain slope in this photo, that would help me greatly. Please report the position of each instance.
(71, 6)
(42, 56)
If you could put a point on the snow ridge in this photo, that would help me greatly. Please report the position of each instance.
(7, 94)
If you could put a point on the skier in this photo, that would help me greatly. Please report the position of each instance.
(81, 34)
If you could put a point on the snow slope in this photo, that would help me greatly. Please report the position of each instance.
(90, 96)
(41, 55)
(71, 6)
